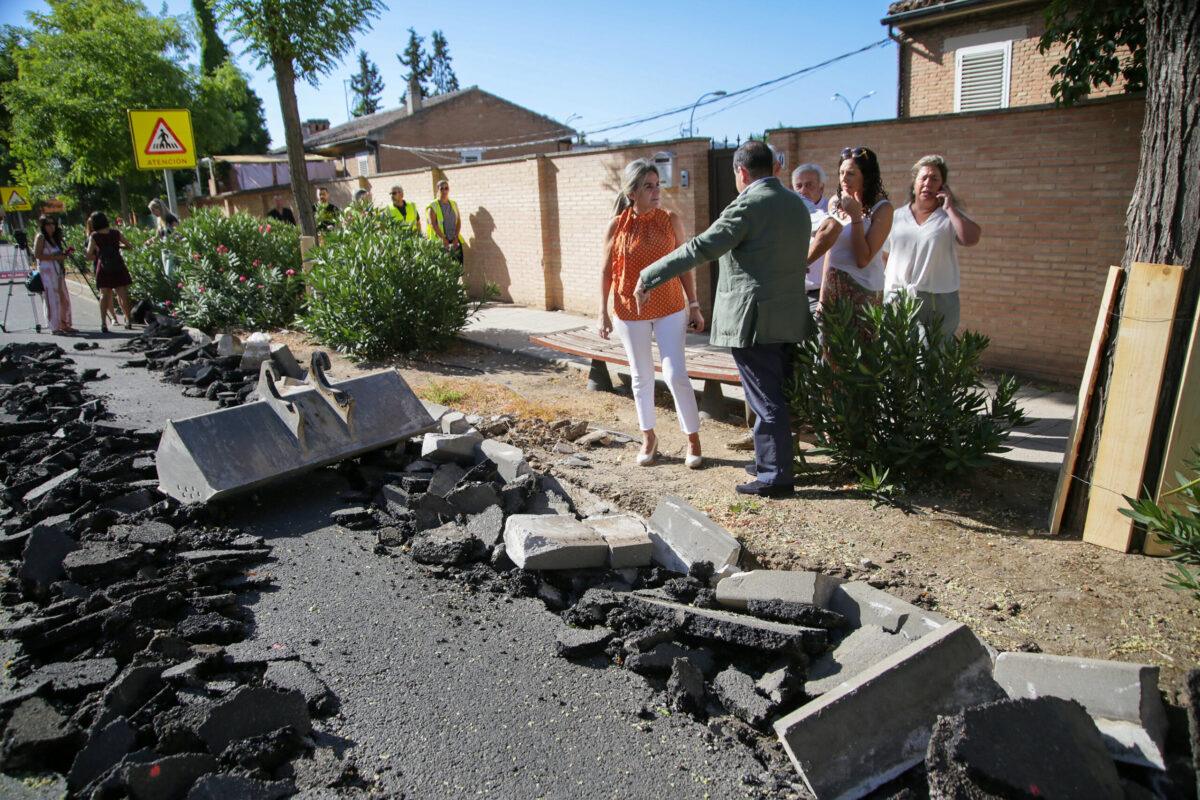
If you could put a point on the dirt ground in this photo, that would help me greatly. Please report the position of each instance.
(978, 551)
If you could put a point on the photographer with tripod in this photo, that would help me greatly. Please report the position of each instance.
(50, 252)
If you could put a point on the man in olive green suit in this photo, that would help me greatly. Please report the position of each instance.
(761, 306)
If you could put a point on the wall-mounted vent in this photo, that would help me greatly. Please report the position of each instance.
(983, 77)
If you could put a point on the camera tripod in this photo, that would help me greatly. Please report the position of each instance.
(20, 256)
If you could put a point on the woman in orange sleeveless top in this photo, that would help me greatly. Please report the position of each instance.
(639, 234)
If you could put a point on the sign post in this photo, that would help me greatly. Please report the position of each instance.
(162, 139)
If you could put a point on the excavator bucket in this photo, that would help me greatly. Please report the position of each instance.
(288, 431)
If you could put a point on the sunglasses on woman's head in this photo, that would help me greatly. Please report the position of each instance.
(855, 152)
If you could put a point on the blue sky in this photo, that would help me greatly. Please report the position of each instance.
(605, 63)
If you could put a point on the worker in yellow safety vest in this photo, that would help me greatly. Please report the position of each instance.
(403, 212)
(444, 220)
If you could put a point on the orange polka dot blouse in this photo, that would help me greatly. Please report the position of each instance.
(639, 241)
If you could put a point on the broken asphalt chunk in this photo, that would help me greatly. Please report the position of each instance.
(730, 628)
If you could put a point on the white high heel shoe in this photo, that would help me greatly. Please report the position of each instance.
(646, 459)
(693, 462)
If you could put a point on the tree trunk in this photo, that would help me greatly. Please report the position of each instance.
(124, 197)
(285, 83)
(1161, 223)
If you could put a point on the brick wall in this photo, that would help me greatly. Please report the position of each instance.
(1050, 188)
(534, 225)
(928, 67)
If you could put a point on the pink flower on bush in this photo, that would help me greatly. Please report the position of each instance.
(256, 262)
(260, 228)
(260, 286)
(291, 272)
(267, 229)
(241, 277)
(222, 269)
(168, 302)
(180, 285)
(222, 248)
(202, 288)
(196, 255)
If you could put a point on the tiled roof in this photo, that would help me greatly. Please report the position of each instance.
(365, 126)
(902, 6)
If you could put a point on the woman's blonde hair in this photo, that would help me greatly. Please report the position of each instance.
(159, 211)
(932, 160)
(635, 171)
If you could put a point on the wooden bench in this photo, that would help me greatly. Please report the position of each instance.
(714, 367)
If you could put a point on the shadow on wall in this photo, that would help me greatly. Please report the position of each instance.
(485, 260)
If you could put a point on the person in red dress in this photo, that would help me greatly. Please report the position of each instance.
(640, 233)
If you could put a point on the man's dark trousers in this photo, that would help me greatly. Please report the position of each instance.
(764, 369)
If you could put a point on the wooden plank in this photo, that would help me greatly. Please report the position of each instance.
(1152, 292)
(585, 342)
(1185, 433)
(1100, 335)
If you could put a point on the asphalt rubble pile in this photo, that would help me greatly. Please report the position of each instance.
(131, 676)
(866, 694)
(224, 370)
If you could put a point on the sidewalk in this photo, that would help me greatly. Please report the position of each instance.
(507, 327)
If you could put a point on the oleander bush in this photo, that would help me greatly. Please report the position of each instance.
(224, 272)
(382, 289)
(880, 393)
(1177, 525)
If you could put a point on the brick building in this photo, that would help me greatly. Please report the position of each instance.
(972, 55)
(459, 127)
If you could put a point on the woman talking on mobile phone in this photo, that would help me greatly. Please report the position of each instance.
(639, 234)
(922, 251)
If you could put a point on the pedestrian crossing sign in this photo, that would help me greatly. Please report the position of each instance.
(15, 198)
(162, 138)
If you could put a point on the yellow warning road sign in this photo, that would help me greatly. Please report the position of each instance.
(15, 198)
(162, 138)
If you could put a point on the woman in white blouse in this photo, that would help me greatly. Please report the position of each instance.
(922, 250)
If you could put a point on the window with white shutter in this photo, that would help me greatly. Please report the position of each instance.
(982, 77)
(364, 163)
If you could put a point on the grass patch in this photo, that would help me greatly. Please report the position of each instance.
(487, 398)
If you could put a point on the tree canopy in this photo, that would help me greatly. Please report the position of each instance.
(297, 37)
(418, 62)
(440, 71)
(1104, 39)
(367, 86)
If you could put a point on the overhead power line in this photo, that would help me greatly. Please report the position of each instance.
(743, 95)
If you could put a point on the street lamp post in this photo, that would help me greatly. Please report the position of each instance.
(692, 118)
(850, 108)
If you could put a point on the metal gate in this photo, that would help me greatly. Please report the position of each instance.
(721, 192)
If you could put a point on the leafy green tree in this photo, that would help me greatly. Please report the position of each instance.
(247, 106)
(367, 86)
(419, 65)
(440, 71)
(213, 52)
(1104, 40)
(10, 42)
(304, 36)
(84, 63)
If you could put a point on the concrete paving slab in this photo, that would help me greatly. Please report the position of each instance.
(628, 541)
(738, 589)
(867, 731)
(683, 535)
(548, 541)
(1122, 698)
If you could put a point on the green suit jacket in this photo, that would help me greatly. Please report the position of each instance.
(761, 241)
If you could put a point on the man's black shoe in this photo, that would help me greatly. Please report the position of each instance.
(752, 469)
(765, 489)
